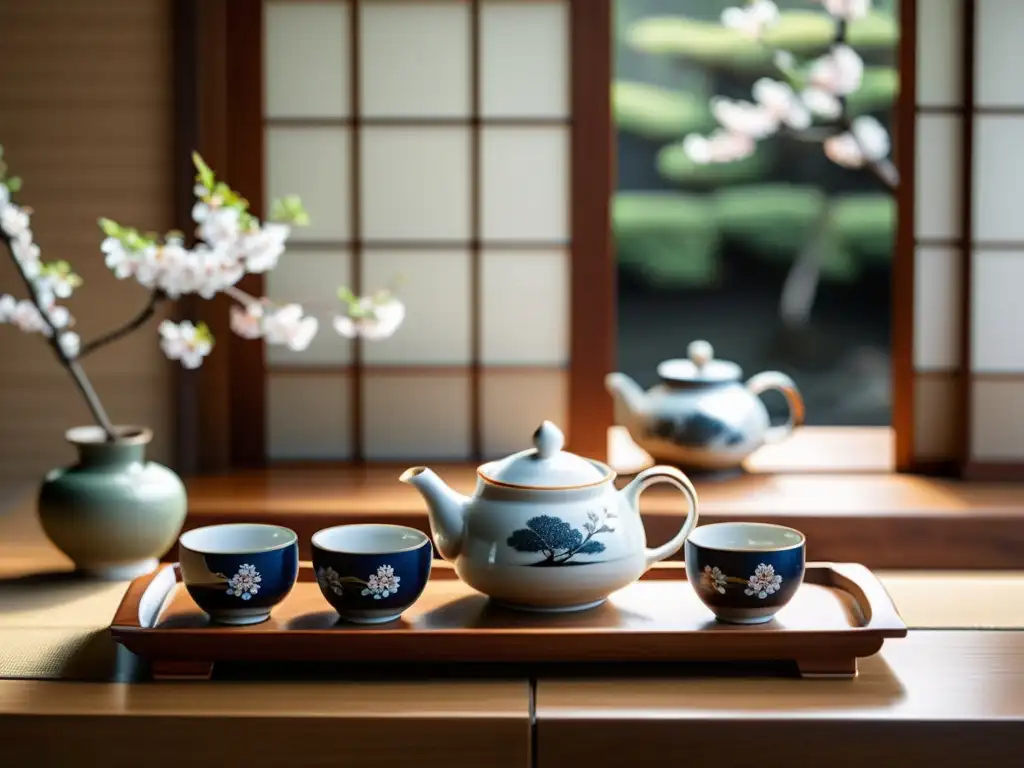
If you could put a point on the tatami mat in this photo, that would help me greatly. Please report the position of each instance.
(957, 600)
(55, 626)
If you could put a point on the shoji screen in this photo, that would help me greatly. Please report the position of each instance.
(997, 240)
(938, 231)
(430, 139)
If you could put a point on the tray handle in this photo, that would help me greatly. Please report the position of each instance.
(878, 608)
(141, 605)
(675, 478)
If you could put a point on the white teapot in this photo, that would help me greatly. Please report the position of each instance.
(547, 530)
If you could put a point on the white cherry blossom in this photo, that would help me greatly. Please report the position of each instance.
(848, 10)
(781, 102)
(744, 118)
(751, 19)
(182, 341)
(822, 103)
(843, 150)
(60, 286)
(70, 343)
(287, 325)
(721, 146)
(118, 258)
(27, 255)
(839, 72)
(247, 321)
(373, 320)
(260, 250)
(15, 222)
(58, 316)
(7, 306)
(217, 224)
(866, 142)
(24, 315)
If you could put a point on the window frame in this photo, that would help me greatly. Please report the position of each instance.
(218, 94)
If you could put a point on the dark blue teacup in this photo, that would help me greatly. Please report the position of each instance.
(745, 572)
(371, 573)
(236, 573)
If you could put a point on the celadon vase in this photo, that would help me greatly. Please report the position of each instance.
(113, 513)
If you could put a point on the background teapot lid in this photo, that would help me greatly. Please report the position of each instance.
(545, 465)
(700, 367)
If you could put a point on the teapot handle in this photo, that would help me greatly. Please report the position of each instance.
(672, 476)
(768, 380)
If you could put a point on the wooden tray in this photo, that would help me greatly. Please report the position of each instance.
(840, 613)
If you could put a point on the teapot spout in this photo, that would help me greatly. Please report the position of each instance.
(446, 508)
(630, 400)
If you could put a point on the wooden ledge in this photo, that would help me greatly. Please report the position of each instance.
(431, 723)
(881, 520)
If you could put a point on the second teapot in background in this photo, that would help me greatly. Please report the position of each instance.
(702, 416)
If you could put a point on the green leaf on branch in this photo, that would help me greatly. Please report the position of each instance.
(658, 113)
(675, 165)
(128, 236)
(204, 174)
(63, 271)
(203, 333)
(14, 183)
(289, 210)
(110, 228)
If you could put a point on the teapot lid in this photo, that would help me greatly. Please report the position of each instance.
(700, 367)
(545, 465)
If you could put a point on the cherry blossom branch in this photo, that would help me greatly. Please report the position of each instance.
(883, 168)
(71, 365)
(243, 298)
(144, 315)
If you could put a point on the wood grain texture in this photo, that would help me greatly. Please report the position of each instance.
(883, 521)
(243, 43)
(904, 151)
(449, 724)
(593, 297)
(933, 698)
(85, 120)
(840, 613)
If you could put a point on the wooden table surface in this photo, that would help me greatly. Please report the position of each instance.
(935, 698)
(460, 723)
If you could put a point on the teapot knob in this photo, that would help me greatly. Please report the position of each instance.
(700, 353)
(548, 440)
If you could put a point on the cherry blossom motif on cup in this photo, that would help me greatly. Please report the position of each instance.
(817, 90)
